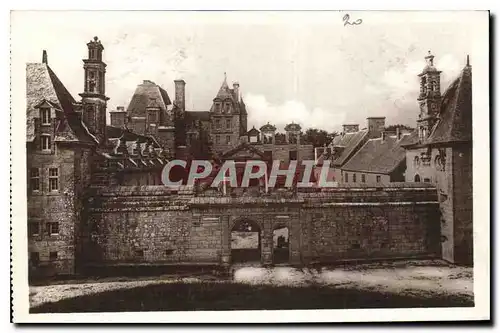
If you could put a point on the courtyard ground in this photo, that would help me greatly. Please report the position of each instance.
(396, 284)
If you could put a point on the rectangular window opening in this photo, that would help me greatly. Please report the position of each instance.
(34, 228)
(35, 179)
(45, 142)
(53, 255)
(45, 116)
(53, 179)
(53, 228)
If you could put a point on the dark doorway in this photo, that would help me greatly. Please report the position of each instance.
(245, 242)
(281, 245)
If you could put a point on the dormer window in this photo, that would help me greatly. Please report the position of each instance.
(45, 142)
(217, 107)
(45, 116)
(227, 107)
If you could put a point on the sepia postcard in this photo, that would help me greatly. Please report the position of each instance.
(191, 166)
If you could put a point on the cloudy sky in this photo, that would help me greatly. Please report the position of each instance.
(291, 66)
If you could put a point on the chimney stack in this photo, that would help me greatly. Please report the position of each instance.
(236, 88)
(44, 57)
(180, 94)
(350, 128)
(398, 133)
(376, 125)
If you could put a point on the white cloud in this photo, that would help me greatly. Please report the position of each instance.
(261, 111)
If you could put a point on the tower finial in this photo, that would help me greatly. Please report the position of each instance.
(468, 63)
(225, 76)
(44, 57)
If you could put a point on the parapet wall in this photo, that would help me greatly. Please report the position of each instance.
(154, 225)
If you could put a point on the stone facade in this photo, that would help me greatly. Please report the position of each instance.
(153, 225)
(441, 155)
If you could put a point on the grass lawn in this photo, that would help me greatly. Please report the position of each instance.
(179, 296)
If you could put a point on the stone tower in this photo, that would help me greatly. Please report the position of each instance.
(226, 120)
(429, 98)
(94, 98)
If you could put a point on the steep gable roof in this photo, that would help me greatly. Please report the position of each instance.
(225, 92)
(378, 156)
(43, 85)
(455, 119)
(348, 142)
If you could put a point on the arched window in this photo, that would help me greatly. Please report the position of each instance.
(417, 179)
(416, 161)
(434, 86)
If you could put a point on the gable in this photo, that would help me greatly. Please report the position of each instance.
(244, 152)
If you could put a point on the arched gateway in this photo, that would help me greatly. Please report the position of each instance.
(246, 241)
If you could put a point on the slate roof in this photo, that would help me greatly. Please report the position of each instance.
(43, 86)
(225, 92)
(146, 93)
(348, 142)
(253, 131)
(118, 132)
(198, 115)
(455, 119)
(379, 156)
(244, 146)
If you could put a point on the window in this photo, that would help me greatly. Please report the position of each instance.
(353, 177)
(217, 123)
(53, 179)
(34, 228)
(45, 116)
(427, 180)
(217, 107)
(227, 107)
(217, 139)
(417, 178)
(293, 155)
(35, 258)
(35, 179)
(363, 178)
(346, 176)
(228, 139)
(53, 255)
(169, 252)
(379, 179)
(46, 142)
(53, 228)
(139, 253)
(228, 123)
(416, 161)
(152, 117)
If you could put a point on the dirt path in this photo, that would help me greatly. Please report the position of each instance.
(421, 278)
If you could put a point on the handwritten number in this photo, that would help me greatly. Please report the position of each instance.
(346, 20)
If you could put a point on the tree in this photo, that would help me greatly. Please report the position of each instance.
(318, 137)
(392, 128)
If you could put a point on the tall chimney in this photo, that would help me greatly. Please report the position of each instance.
(44, 57)
(376, 125)
(398, 133)
(180, 94)
(236, 88)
